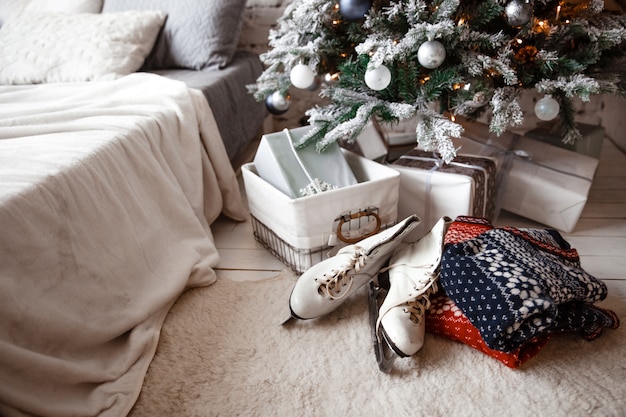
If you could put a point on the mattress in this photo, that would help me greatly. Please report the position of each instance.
(239, 116)
(107, 191)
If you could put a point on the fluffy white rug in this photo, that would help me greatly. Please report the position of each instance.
(223, 353)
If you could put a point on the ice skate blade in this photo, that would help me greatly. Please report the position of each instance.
(385, 356)
(287, 315)
(290, 316)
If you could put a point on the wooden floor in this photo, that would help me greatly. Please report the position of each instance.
(599, 237)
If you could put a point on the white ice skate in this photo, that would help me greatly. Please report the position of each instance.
(326, 285)
(412, 275)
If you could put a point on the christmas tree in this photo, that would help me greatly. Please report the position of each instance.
(435, 60)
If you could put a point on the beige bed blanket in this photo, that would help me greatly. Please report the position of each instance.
(107, 190)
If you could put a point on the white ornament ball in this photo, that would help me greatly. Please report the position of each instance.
(431, 54)
(378, 78)
(302, 76)
(317, 81)
(547, 108)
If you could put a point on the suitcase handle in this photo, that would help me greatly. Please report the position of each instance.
(352, 216)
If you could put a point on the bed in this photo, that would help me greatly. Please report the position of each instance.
(113, 165)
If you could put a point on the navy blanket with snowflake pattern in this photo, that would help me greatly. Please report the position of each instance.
(517, 284)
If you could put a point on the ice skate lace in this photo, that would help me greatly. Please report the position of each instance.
(418, 301)
(331, 284)
(417, 308)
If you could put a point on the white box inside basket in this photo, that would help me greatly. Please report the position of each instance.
(310, 222)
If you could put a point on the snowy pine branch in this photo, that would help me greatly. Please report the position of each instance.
(577, 85)
(434, 132)
(337, 121)
(506, 110)
(564, 49)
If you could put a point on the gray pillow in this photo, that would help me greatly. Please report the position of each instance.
(198, 34)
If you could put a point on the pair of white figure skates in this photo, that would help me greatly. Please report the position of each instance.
(398, 321)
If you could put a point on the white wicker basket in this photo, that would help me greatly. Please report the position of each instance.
(303, 231)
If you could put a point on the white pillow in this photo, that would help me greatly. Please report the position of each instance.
(67, 6)
(60, 47)
(10, 7)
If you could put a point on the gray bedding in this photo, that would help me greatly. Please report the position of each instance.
(239, 116)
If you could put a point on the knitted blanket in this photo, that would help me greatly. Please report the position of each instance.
(515, 285)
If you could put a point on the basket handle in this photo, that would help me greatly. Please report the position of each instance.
(347, 217)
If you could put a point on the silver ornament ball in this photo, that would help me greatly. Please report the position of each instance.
(353, 10)
(431, 54)
(518, 12)
(277, 103)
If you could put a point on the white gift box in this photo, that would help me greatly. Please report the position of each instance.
(538, 181)
(590, 144)
(292, 170)
(370, 143)
(548, 184)
(432, 190)
(301, 231)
